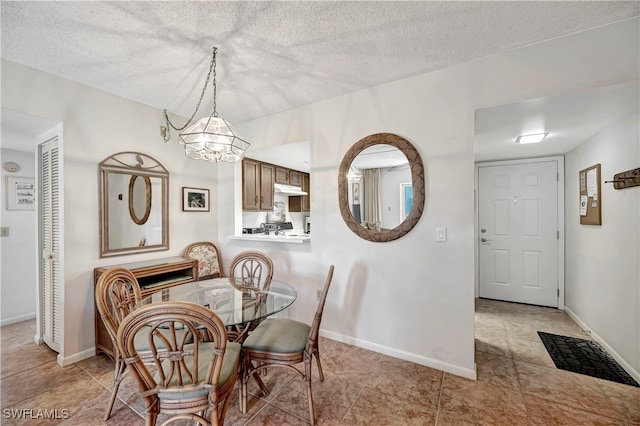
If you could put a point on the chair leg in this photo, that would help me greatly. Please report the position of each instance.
(121, 369)
(317, 356)
(307, 369)
(150, 419)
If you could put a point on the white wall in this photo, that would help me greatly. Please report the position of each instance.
(602, 275)
(18, 288)
(413, 298)
(97, 125)
(410, 298)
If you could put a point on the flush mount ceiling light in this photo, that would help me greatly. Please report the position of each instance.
(534, 138)
(211, 138)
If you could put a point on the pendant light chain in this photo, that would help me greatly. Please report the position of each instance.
(215, 87)
(212, 66)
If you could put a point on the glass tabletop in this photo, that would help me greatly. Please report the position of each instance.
(234, 301)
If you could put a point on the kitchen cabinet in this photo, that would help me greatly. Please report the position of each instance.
(267, 179)
(282, 175)
(302, 203)
(257, 185)
(295, 178)
(306, 187)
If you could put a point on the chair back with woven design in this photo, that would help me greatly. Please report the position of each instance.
(116, 293)
(254, 268)
(208, 256)
(194, 369)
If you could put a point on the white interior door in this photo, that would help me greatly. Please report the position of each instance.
(518, 232)
(50, 273)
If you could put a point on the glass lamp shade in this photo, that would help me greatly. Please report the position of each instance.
(213, 139)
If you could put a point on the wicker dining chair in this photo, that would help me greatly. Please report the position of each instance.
(281, 342)
(116, 294)
(254, 268)
(208, 256)
(194, 372)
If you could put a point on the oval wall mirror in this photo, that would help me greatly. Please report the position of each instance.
(134, 197)
(140, 195)
(381, 188)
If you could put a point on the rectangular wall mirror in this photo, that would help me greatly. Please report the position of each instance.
(134, 214)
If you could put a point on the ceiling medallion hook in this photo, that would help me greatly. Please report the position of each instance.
(212, 138)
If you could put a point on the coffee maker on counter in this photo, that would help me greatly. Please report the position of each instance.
(307, 225)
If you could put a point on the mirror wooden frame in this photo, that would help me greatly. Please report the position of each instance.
(141, 165)
(147, 195)
(417, 178)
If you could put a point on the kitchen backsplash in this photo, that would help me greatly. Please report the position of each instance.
(255, 219)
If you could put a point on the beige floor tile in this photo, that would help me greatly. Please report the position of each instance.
(24, 328)
(346, 360)
(270, 415)
(375, 408)
(331, 398)
(30, 357)
(469, 402)
(517, 383)
(406, 380)
(50, 378)
(574, 390)
(493, 341)
(530, 351)
(545, 413)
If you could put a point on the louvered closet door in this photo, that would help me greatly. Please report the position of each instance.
(50, 277)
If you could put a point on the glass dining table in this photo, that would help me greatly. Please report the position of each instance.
(235, 300)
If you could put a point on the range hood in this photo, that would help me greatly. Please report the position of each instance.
(281, 189)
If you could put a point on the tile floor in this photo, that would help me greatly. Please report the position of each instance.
(517, 384)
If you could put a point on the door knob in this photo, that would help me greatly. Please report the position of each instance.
(484, 240)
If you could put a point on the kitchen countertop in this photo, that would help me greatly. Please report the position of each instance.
(271, 238)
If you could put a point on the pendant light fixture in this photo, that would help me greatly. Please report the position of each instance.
(211, 138)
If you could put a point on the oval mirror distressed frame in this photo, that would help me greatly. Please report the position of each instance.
(132, 197)
(417, 178)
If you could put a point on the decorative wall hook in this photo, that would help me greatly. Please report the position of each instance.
(626, 179)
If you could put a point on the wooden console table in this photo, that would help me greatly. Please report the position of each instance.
(153, 276)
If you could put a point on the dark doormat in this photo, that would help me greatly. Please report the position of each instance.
(584, 357)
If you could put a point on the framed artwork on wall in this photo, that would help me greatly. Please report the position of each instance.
(21, 193)
(195, 199)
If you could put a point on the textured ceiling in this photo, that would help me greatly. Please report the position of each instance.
(273, 56)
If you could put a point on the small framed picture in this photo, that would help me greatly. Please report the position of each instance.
(195, 200)
(21, 193)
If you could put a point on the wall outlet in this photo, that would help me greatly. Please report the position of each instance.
(318, 295)
(4, 231)
(441, 234)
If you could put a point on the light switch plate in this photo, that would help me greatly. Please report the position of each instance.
(441, 233)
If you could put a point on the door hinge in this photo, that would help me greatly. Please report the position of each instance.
(558, 293)
(557, 235)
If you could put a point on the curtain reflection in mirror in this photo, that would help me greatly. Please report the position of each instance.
(371, 205)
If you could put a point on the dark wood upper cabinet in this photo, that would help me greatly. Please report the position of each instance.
(250, 184)
(282, 175)
(302, 203)
(295, 178)
(257, 185)
(267, 179)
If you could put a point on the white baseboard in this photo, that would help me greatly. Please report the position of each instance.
(624, 364)
(407, 356)
(18, 318)
(72, 359)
